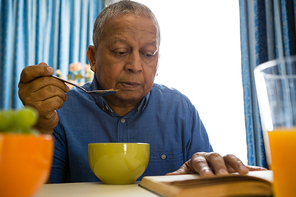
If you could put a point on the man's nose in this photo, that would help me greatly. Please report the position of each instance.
(134, 63)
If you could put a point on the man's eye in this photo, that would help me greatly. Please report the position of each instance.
(148, 54)
(120, 52)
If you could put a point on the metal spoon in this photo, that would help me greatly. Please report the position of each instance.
(101, 92)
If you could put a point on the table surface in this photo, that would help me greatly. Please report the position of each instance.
(92, 189)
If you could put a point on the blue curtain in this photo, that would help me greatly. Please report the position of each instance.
(267, 32)
(57, 32)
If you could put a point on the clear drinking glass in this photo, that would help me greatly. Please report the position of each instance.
(276, 90)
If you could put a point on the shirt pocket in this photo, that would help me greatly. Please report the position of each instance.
(162, 163)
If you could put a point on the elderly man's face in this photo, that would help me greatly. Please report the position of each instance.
(127, 57)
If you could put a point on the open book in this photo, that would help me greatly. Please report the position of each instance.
(255, 183)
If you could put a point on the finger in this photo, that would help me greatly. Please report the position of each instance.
(184, 169)
(250, 168)
(235, 164)
(216, 161)
(46, 107)
(43, 87)
(41, 82)
(30, 73)
(48, 92)
(46, 124)
(200, 165)
(255, 168)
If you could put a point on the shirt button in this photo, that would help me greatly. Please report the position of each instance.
(163, 156)
(122, 120)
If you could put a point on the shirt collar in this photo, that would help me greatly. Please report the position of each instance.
(144, 102)
(100, 101)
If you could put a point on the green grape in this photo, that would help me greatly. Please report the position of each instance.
(6, 120)
(26, 117)
(20, 121)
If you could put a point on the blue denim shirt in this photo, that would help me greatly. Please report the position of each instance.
(165, 119)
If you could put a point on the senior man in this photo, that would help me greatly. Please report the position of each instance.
(125, 54)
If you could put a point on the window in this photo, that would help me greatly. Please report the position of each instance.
(200, 56)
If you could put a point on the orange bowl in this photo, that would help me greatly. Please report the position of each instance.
(25, 162)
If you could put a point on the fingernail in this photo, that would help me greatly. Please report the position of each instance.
(206, 172)
(222, 171)
(50, 69)
(243, 169)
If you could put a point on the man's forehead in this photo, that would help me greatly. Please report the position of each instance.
(119, 26)
(122, 39)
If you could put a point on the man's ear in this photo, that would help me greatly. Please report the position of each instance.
(91, 56)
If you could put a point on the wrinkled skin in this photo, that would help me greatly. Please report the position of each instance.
(126, 59)
(44, 93)
(210, 164)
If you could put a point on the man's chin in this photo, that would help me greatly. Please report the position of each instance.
(127, 96)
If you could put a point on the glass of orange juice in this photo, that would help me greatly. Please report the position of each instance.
(276, 91)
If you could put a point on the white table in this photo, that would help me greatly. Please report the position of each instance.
(92, 189)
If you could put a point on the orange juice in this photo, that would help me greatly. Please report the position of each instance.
(283, 157)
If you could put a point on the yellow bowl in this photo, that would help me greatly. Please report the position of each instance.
(118, 163)
(25, 162)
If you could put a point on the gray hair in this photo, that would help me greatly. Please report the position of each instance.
(118, 9)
